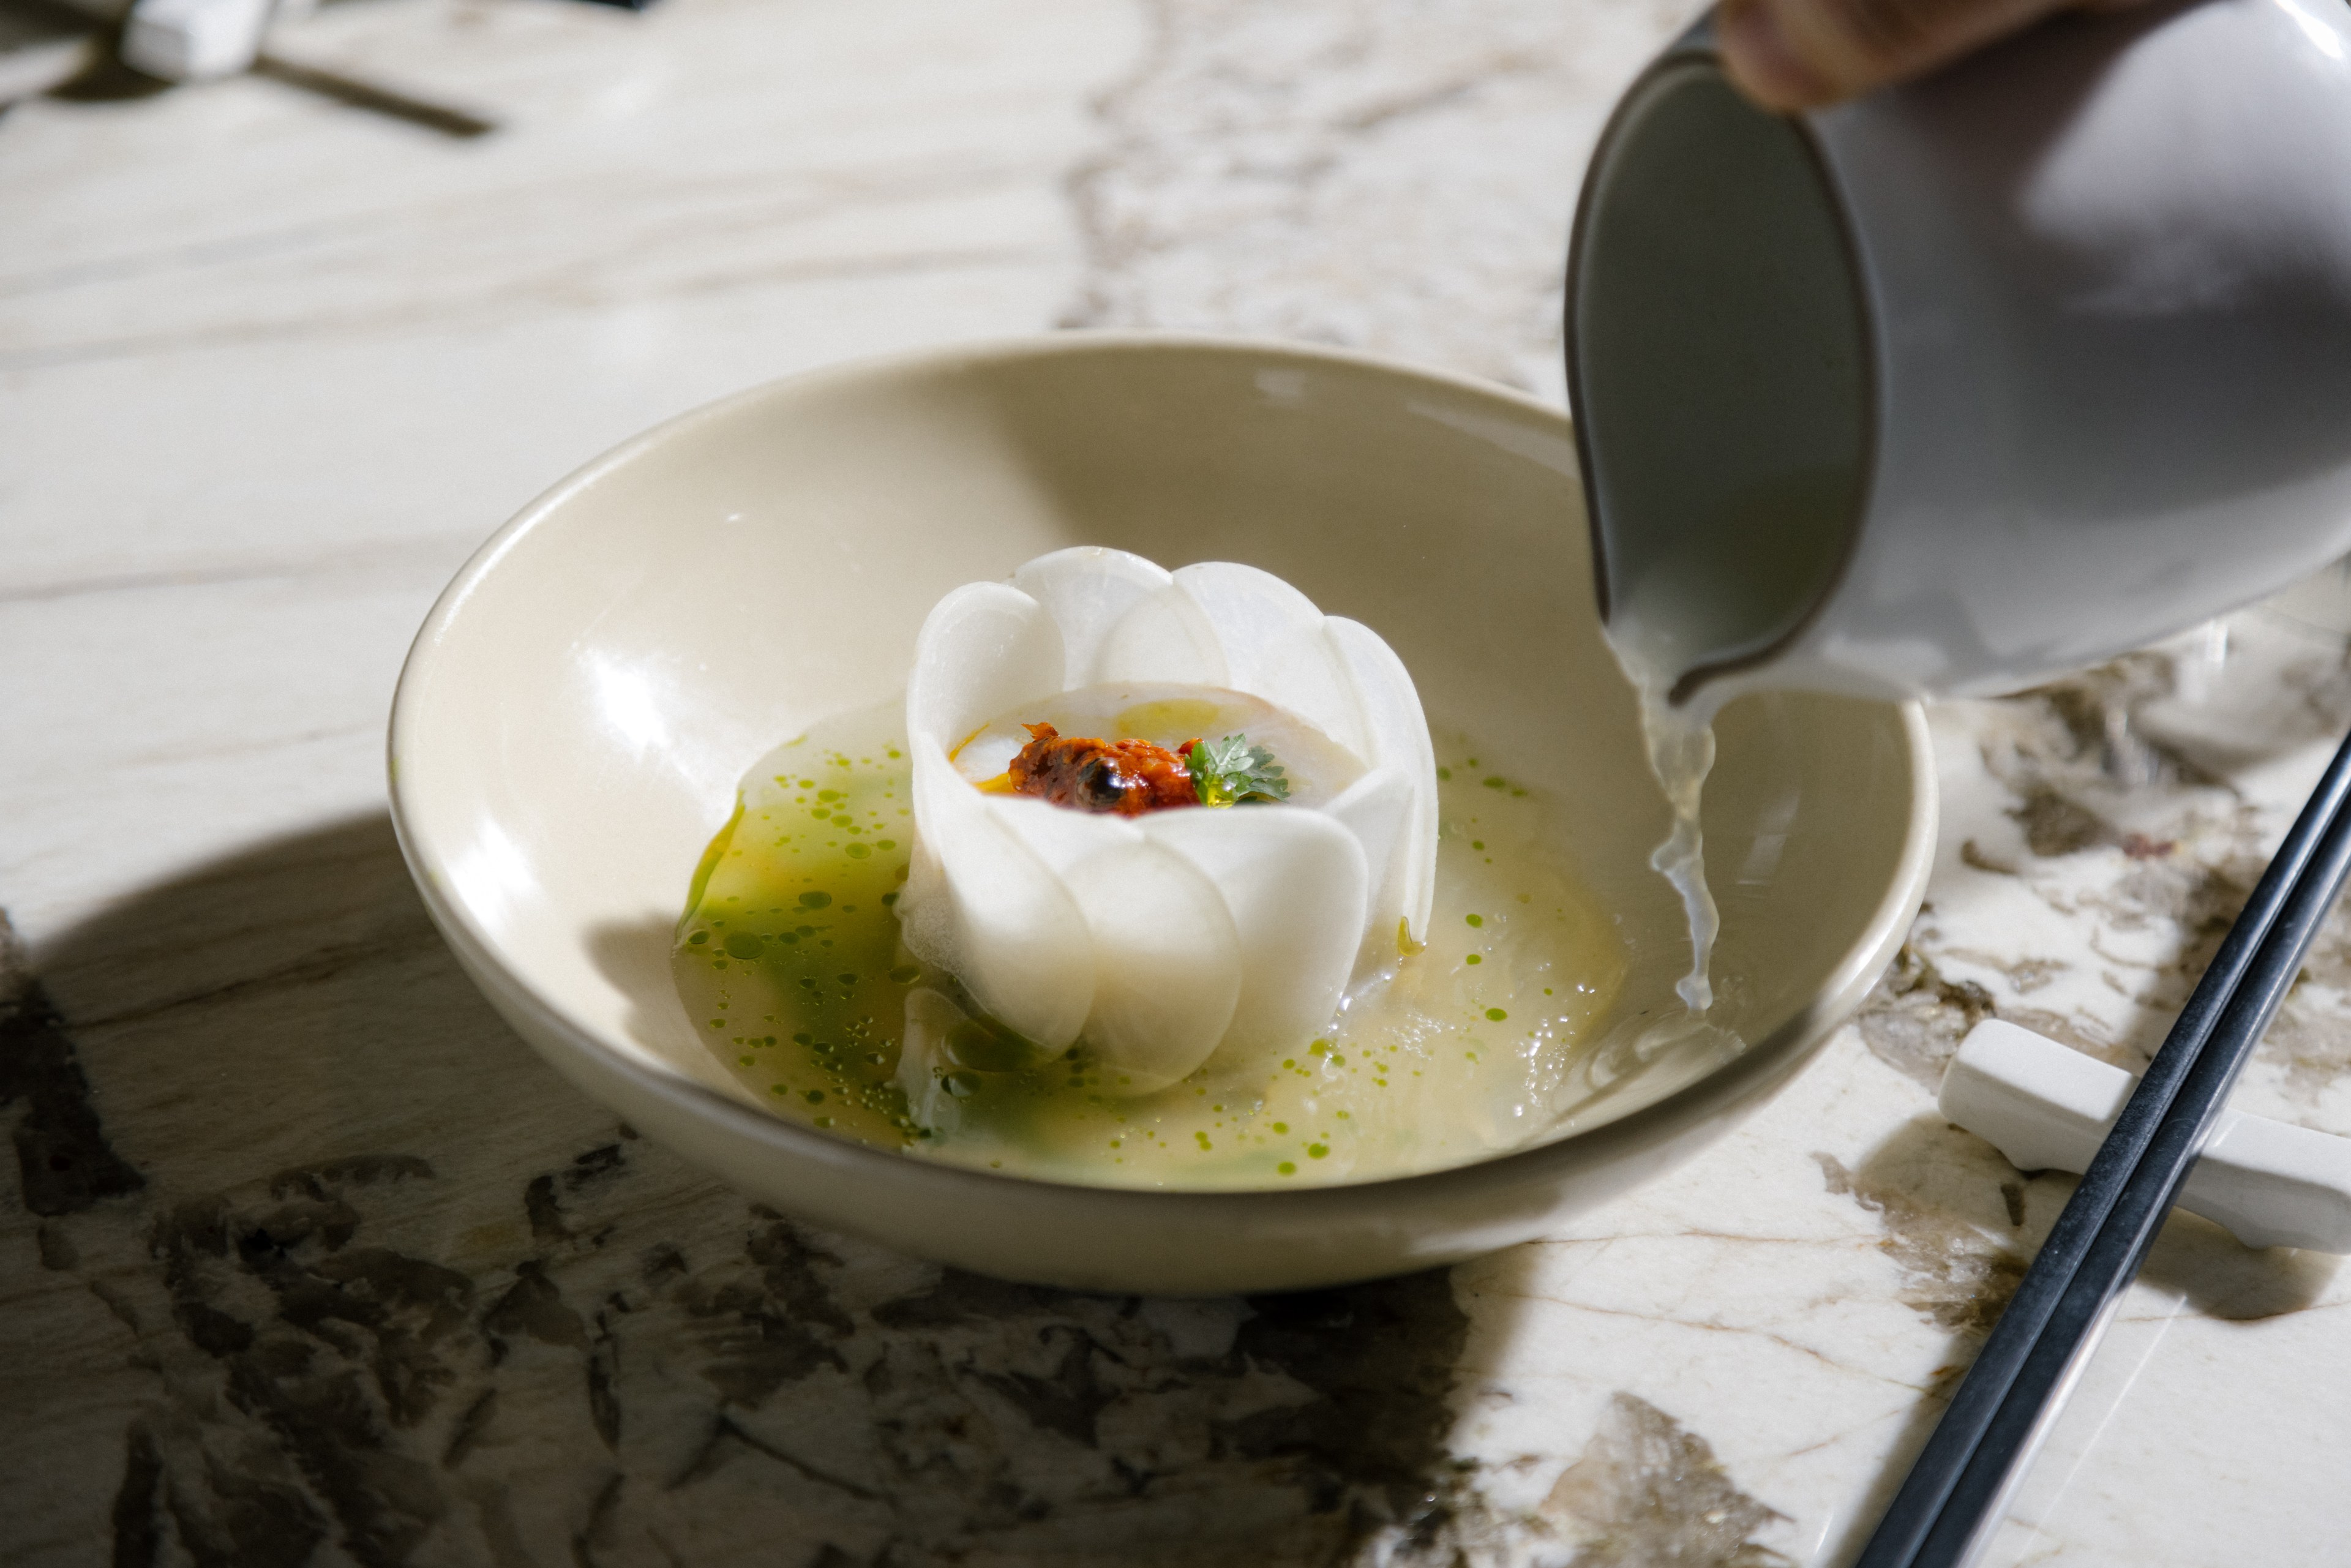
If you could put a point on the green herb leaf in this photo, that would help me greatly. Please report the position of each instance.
(1232, 772)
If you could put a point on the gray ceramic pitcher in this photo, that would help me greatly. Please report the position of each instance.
(1978, 379)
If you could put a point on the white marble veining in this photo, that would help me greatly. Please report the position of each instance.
(1388, 174)
(306, 1260)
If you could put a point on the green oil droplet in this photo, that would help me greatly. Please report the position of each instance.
(1316, 1150)
(1472, 919)
(815, 901)
(1286, 1168)
(1495, 1014)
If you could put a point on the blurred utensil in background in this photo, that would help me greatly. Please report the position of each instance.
(46, 45)
(43, 48)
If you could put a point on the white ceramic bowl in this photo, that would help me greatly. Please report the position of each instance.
(575, 716)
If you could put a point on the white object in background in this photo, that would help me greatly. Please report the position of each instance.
(194, 40)
(1162, 937)
(2047, 1106)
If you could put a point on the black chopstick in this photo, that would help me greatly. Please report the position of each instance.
(1960, 1482)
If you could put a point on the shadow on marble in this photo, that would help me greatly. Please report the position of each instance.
(2222, 1277)
(1962, 1225)
(110, 82)
(347, 1275)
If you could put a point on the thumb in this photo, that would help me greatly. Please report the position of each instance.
(1788, 55)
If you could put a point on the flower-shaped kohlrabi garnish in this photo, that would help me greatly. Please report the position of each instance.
(1161, 936)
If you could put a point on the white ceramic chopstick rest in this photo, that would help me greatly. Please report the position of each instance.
(2047, 1106)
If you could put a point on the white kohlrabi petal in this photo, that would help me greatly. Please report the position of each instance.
(1061, 839)
(1160, 938)
(1167, 964)
(1395, 734)
(1164, 638)
(1294, 880)
(985, 908)
(1088, 590)
(1375, 810)
(1168, 969)
(1274, 645)
(986, 647)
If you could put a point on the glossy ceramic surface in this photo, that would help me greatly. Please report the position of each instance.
(575, 715)
(2105, 271)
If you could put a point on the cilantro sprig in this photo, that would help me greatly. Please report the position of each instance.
(1232, 772)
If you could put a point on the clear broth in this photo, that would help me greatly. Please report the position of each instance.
(788, 961)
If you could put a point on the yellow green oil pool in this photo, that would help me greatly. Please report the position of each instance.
(789, 961)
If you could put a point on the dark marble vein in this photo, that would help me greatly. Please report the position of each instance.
(64, 1163)
(591, 1350)
(1645, 1492)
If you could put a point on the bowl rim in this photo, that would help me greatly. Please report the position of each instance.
(1832, 1004)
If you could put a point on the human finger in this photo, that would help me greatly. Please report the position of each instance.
(1789, 55)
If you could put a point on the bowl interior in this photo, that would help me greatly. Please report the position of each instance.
(574, 722)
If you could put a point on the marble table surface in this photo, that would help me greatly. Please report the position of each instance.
(304, 1259)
